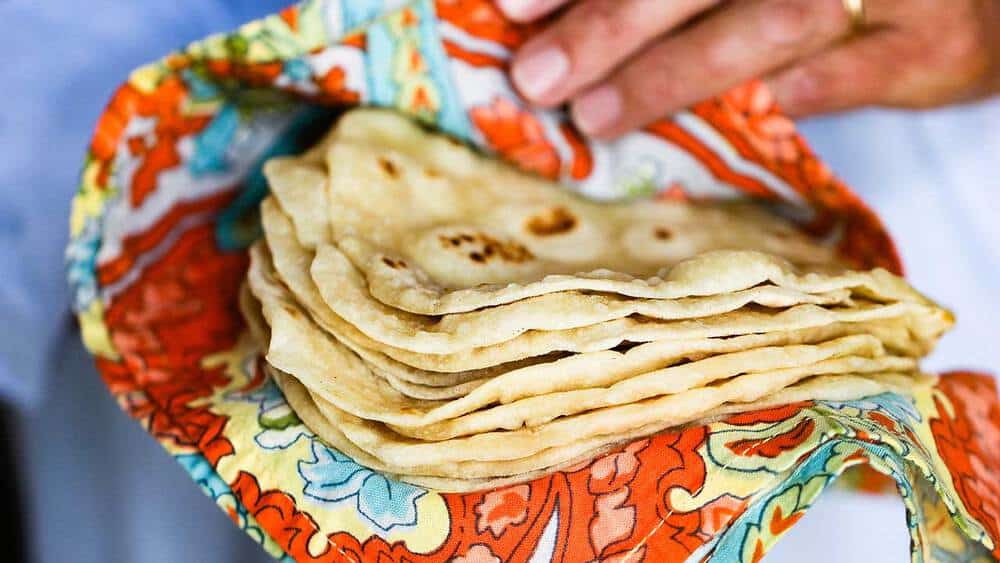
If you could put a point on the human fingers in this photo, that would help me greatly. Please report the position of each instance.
(741, 41)
(863, 71)
(589, 40)
(529, 10)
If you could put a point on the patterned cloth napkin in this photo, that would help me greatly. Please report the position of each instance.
(167, 206)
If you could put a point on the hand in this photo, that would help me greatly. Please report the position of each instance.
(624, 63)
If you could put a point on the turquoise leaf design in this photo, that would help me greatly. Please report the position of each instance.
(900, 408)
(212, 143)
(81, 264)
(332, 477)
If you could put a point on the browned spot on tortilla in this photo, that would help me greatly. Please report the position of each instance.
(388, 166)
(482, 248)
(663, 233)
(394, 264)
(509, 251)
(446, 240)
(555, 221)
(432, 172)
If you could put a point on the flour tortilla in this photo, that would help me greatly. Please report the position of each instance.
(300, 188)
(474, 475)
(925, 322)
(302, 404)
(328, 368)
(427, 392)
(463, 474)
(435, 231)
(346, 294)
(396, 370)
(607, 367)
(298, 347)
(438, 229)
(495, 325)
(633, 420)
(541, 409)
(611, 366)
(467, 476)
(828, 388)
(250, 308)
(448, 372)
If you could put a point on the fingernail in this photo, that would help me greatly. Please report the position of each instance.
(517, 9)
(598, 110)
(539, 72)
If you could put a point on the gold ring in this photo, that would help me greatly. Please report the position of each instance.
(856, 12)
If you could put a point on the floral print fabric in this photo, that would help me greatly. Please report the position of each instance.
(166, 207)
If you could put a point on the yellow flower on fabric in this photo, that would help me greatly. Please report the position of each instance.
(146, 78)
(89, 200)
(95, 333)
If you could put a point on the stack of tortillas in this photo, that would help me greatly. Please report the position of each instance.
(443, 318)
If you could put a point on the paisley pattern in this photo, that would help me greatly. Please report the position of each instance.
(167, 205)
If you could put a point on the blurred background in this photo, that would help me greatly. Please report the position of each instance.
(89, 485)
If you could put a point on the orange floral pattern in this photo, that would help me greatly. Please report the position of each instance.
(163, 104)
(502, 508)
(969, 442)
(751, 121)
(181, 309)
(478, 553)
(752, 108)
(334, 90)
(518, 137)
(482, 18)
(583, 158)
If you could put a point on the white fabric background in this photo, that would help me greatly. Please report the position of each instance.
(98, 489)
(933, 177)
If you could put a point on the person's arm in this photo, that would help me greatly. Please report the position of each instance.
(623, 63)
